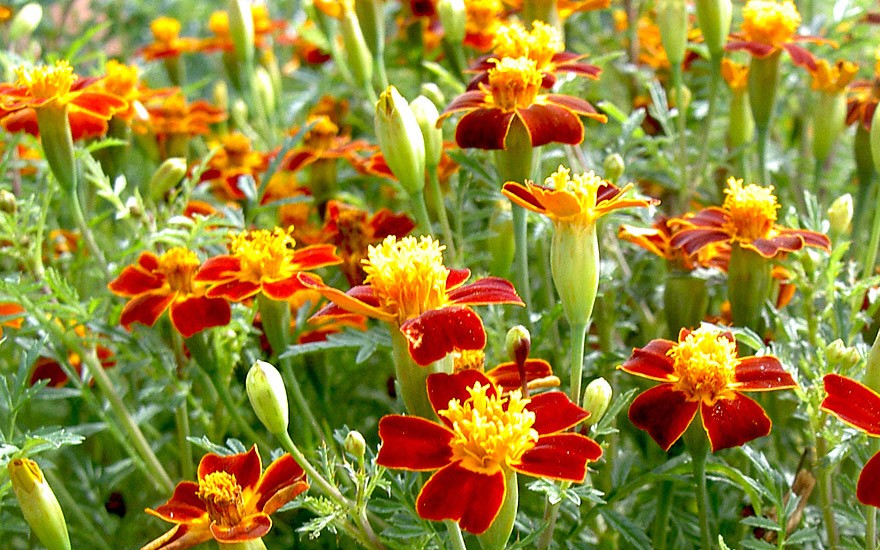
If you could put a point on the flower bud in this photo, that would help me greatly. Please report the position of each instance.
(672, 21)
(829, 119)
(841, 357)
(453, 18)
(741, 127)
(518, 344)
(614, 167)
(574, 264)
(265, 390)
(38, 504)
(433, 92)
(265, 90)
(241, 30)
(426, 115)
(354, 444)
(500, 243)
(220, 93)
(25, 21)
(8, 203)
(239, 113)
(167, 176)
(597, 397)
(400, 140)
(840, 214)
(713, 18)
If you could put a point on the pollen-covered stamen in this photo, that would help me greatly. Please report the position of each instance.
(165, 29)
(221, 494)
(468, 359)
(407, 275)
(769, 22)
(704, 364)
(322, 133)
(514, 82)
(178, 265)
(752, 210)
(540, 44)
(490, 431)
(264, 255)
(46, 81)
(237, 147)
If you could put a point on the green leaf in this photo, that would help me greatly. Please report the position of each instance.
(631, 532)
(755, 544)
(762, 522)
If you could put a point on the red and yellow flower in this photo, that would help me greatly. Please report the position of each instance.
(657, 239)
(482, 18)
(262, 261)
(538, 372)
(702, 372)
(323, 141)
(483, 435)
(859, 406)
(408, 286)
(167, 41)
(747, 217)
(512, 93)
(231, 502)
(234, 159)
(156, 283)
(863, 98)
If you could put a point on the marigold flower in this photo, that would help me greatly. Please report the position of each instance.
(156, 283)
(47, 368)
(121, 80)
(482, 20)
(483, 434)
(231, 501)
(859, 406)
(538, 372)
(234, 159)
(735, 74)
(167, 41)
(747, 217)
(11, 315)
(170, 114)
(702, 372)
(262, 261)
(833, 79)
(408, 286)
(512, 92)
(657, 240)
(323, 141)
(863, 98)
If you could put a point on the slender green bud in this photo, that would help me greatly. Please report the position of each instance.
(38, 504)
(763, 81)
(829, 119)
(614, 167)
(265, 390)
(597, 397)
(400, 140)
(241, 29)
(433, 92)
(672, 21)
(574, 264)
(875, 138)
(453, 18)
(167, 176)
(355, 444)
(518, 344)
(8, 202)
(239, 113)
(265, 90)
(713, 18)
(840, 214)
(25, 21)
(220, 92)
(742, 125)
(426, 115)
(358, 55)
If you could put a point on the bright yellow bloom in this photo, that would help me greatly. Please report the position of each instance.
(704, 364)
(540, 44)
(735, 74)
(514, 82)
(833, 79)
(752, 210)
(769, 22)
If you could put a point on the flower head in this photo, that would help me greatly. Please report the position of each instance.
(703, 372)
(482, 20)
(167, 41)
(235, 159)
(657, 240)
(735, 74)
(482, 435)
(231, 501)
(833, 79)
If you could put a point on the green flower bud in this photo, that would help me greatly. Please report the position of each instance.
(167, 176)
(453, 18)
(265, 89)
(597, 397)
(518, 344)
(265, 390)
(400, 140)
(672, 21)
(741, 126)
(501, 244)
(354, 444)
(433, 92)
(241, 29)
(25, 21)
(841, 357)
(8, 203)
(358, 55)
(614, 167)
(38, 504)
(840, 214)
(713, 18)
(239, 113)
(829, 119)
(220, 92)
(574, 264)
(426, 115)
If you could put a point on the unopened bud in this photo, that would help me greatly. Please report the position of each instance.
(8, 203)
(453, 18)
(672, 21)
(614, 167)
(433, 92)
(268, 397)
(426, 115)
(354, 444)
(840, 214)
(400, 140)
(713, 17)
(840, 356)
(241, 30)
(597, 397)
(25, 21)
(518, 344)
(167, 176)
(265, 89)
(38, 504)
(220, 93)
(875, 137)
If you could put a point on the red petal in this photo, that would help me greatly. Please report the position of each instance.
(196, 314)
(145, 309)
(693, 239)
(576, 105)
(218, 268)
(385, 223)
(852, 402)
(464, 496)
(483, 129)
(868, 488)
(754, 48)
(506, 375)
(184, 506)
(443, 388)
(181, 536)
(315, 256)
(456, 278)
(551, 124)
(24, 120)
(249, 528)
(732, 422)
(413, 443)
(560, 456)
(84, 124)
(282, 481)
(762, 374)
(282, 290)
(801, 56)
(49, 369)
(523, 196)
(467, 101)
(554, 412)
(298, 158)
(811, 238)
(134, 280)
(769, 248)
(359, 299)
(664, 413)
(651, 361)
(246, 467)
(234, 291)
(489, 290)
(437, 332)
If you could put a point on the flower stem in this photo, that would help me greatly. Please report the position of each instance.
(714, 81)
(551, 513)
(662, 518)
(871, 251)
(521, 258)
(181, 417)
(683, 184)
(421, 212)
(456, 539)
(698, 445)
(578, 339)
(826, 493)
(440, 204)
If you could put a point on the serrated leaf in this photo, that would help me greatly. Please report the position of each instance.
(631, 532)
(755, 544)
(762, 522)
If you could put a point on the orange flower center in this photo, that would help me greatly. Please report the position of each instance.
(705, 365)
(407, 275)
(514, 82)
(752, 210)
(490, 431)
(768, 22)
(539, 45)
(178, 265)
(46, 81)
(121, 79)
(218, 24)
(165, 29)
(237, 147)
(735, 74)
(221, 494)
(322, 133)
(469, 359)
(265, 255)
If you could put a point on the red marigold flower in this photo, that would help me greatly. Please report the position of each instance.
(262, 261)
(323, 141)
(538, 372)
(859, 406)
(53, 87)
(657, 240)
(156, 283)
(231, 501)
(233, 160)
(863, 98)
(483, 434)
(702, 372)
(10, 315)
(408, 286)
(171, 115)
(747, 217)
(47, 368)
(482, 18)
(512, 92)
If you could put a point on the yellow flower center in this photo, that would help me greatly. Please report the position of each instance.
(514, 82)
(221, 494)
(121, 79)
(218, 24)
(490, 431)
(407, 275)
(539, 45)
(769, 22)
(583, 187)
(469, 359)
(165, 29)
(705, 365)
(178, 265)
(46, 81)
(265, 255)
(322, 133)
(752, 210)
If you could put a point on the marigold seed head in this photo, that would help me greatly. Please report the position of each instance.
(221, 494)
(46, 81)
(265, 255)
(514, 82)
(769, 22)
(752, 210)
(705, 365)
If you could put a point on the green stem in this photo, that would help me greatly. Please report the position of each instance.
(699, 468)
(181, 417)
(871, 251)
(714, 82)
(662, 518)
(521, 258)
(456, 539)
(421, 211)
(578, 338)
(551, 514)
(871, 528)
(87, 234)
(826, 492)
(683, 184)
(440, 204)
(761, 136)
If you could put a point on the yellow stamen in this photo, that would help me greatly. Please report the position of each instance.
(539, 45)
(265, 255)
(469, 359)
(705, 365)
(514, 82)
(165, 29)
(768, 22)
(46, 81)
(221, 494)
(407, 275)
(490, 431)
(322, 133)
(179, 265)
(752, 210)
